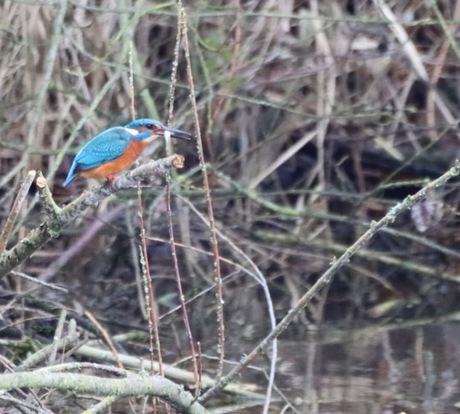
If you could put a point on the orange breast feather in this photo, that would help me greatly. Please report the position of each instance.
(132, 152)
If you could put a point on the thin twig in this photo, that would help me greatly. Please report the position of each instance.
(172, 241)
(104, 335)
(182, 301)
(131, 81)
(58, 336)
(154, 335)
(210, 211)
(38, 282)
(261, 280)
(15, 210)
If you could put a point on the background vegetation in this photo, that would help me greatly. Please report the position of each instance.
(315, 118)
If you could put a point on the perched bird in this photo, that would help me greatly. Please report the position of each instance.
(116, 149)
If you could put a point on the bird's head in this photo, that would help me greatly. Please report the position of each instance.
(149, 129)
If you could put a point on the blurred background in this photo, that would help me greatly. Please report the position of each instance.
(316, 118)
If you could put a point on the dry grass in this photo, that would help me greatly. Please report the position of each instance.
(315, 119)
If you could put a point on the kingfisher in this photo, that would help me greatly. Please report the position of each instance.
(116, 149)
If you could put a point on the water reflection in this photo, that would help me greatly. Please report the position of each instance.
(388, 370)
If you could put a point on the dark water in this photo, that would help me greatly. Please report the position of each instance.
(386, 369)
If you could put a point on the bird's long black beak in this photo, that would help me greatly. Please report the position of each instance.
(177, 133)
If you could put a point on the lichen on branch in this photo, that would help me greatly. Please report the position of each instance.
(58, 217)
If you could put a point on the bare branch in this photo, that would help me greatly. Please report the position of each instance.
(59, 217)
(133, 385)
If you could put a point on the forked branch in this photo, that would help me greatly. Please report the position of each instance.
(59, 217)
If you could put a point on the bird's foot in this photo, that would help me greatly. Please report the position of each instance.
(110, 179)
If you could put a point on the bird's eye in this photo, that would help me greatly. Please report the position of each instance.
(150, 126)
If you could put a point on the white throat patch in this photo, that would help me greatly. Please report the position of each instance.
(132, 131)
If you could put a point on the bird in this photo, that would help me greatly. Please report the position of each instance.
(116, 148)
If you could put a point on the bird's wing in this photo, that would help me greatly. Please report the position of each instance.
(105, 147)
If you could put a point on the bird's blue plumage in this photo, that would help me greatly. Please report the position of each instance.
(143, 122)
(105, 147)
(112, 143)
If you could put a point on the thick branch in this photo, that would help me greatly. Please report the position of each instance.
(59, 217)
(133, 385)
